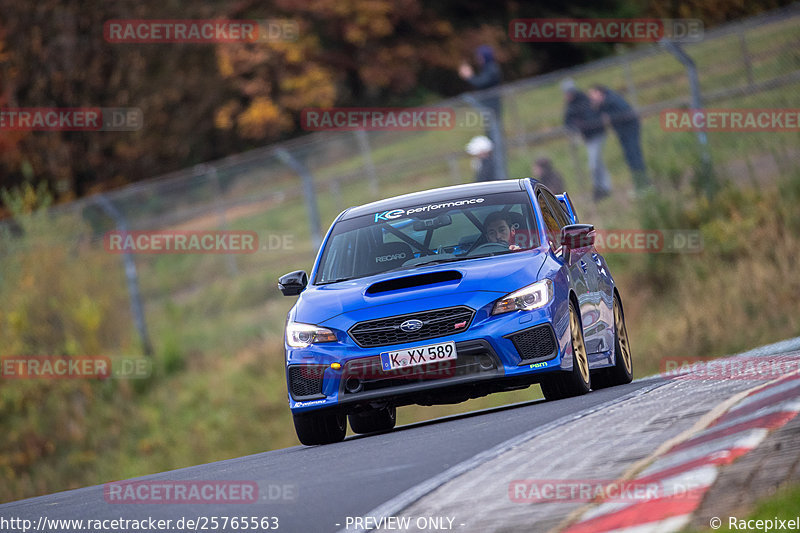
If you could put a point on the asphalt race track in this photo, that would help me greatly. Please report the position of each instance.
(320, 486)
(461, 473)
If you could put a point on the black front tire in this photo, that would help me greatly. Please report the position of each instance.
(578, 380)
(320, 427)
(382, 419)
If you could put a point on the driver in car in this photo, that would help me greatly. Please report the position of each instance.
(498, 230)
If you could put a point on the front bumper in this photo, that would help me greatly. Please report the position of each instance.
(495, 352)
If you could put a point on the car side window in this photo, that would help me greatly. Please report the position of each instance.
(552, 228)
(557, 209)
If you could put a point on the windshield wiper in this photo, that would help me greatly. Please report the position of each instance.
(448, 260)
(431, 262)
(503, 252)
(337, 280)
(437, 261)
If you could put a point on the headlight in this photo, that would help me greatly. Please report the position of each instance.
(302, 335)
(531, 297)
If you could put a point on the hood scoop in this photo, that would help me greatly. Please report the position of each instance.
(419, 280)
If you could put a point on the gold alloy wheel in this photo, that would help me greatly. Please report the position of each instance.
(622, 336)
(578, 347)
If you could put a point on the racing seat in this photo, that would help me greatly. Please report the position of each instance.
(387, 256)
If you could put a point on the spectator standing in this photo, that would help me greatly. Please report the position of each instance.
(626, 125)
(489, 76)
(480, 148)
(543, 171)
(581, 117)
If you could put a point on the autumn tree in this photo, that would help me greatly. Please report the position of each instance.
(205, 101)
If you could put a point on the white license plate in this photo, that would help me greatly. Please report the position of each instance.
(420, 355)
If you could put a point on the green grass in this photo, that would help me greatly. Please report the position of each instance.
(783, 505)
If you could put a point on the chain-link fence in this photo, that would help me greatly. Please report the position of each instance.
(289, 193)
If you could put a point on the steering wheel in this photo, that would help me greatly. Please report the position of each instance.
(489, 247)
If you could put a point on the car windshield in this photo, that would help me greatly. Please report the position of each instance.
(452, 230)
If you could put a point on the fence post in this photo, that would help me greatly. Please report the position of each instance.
(496, 134)
(707, 172)
(452, 164)
(574, 146)
(631, 85)
(131, 275)
(233, 268)
(369, 165)
(748, 65)
(308, 191)
(522, 132)
(336, 193)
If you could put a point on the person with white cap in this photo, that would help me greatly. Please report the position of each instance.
(582, 118)
(480, 148)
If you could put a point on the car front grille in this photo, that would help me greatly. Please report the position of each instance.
(366, 374)
(436, 323)
(305, 381)
(535, 344)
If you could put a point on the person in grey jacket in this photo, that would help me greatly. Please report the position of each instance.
(626, 125)
(582, 118)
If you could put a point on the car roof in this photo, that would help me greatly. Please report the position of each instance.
(435, 195)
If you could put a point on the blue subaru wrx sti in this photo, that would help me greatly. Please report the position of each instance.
(445, 295)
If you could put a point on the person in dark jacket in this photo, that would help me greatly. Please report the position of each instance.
(543, 171)
(625, 122)
(581, 117)
(489, 76)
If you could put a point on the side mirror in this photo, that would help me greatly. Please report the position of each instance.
(293, 283)
(575, 237)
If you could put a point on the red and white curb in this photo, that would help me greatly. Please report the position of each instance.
(688, 469)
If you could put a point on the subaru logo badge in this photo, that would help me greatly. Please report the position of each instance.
(411, 325)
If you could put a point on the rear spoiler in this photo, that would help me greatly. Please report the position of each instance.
(566, 203)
